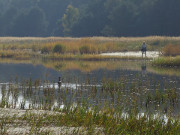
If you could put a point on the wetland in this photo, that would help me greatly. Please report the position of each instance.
(125, 87)
(95, 94)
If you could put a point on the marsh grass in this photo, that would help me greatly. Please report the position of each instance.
(14, 46)
(167, 61)
(110, 124)
(127, 105)
(17, 54)
(171, 50)
(108, 121)
(130, 104)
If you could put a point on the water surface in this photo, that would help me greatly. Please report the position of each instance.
(83, 80)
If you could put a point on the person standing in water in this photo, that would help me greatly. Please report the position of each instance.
(143, 49)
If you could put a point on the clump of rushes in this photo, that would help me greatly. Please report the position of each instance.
(167, 61)
(84, 49)
(58, 48)
(106, 121)
(88, 49)
(46, 49)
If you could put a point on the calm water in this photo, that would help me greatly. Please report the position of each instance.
(79, 85)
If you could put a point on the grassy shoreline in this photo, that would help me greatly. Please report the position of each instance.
(162, 61)
(80, 121)
(167, 61)
(88, 48)
(22, 55)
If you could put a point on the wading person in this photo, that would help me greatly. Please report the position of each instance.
(143, 49)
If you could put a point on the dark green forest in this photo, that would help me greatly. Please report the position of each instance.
(79, 18)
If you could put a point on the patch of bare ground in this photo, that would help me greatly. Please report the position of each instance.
(12, 123)
(7, 112)
(52, 130)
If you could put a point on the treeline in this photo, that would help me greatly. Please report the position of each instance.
(78, 18)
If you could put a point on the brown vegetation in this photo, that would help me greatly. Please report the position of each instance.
(28, 47)
(171, 50)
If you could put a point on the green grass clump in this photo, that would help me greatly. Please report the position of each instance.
(11, 47)
(46, 49)
(88, 49)
(58, 48)
(167, 61)
(106, 121)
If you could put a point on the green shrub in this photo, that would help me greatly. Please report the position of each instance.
(46, 49)
(167, 61)
(35, 48)
(84, 49)
(59, 48)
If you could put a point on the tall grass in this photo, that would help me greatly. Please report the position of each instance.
(119, 111)
(167, 61)
(16, 54)
(94, 44)
(171, 50)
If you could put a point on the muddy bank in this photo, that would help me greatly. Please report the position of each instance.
(24, 130)
(13, 122)
(7, 112)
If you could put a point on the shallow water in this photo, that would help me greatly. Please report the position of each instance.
(79, 85)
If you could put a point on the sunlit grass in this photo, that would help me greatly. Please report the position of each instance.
(167, 61)
(171, 50)
(16, 47)
(96, 44)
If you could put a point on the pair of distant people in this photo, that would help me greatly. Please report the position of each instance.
(143, 49)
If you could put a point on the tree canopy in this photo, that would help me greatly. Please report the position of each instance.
(89, 18)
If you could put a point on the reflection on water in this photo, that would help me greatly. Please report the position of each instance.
(29, 86)
(24, 71)
(143, 68)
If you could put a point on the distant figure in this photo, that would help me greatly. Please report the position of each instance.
(143, 49)
(59, 82)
